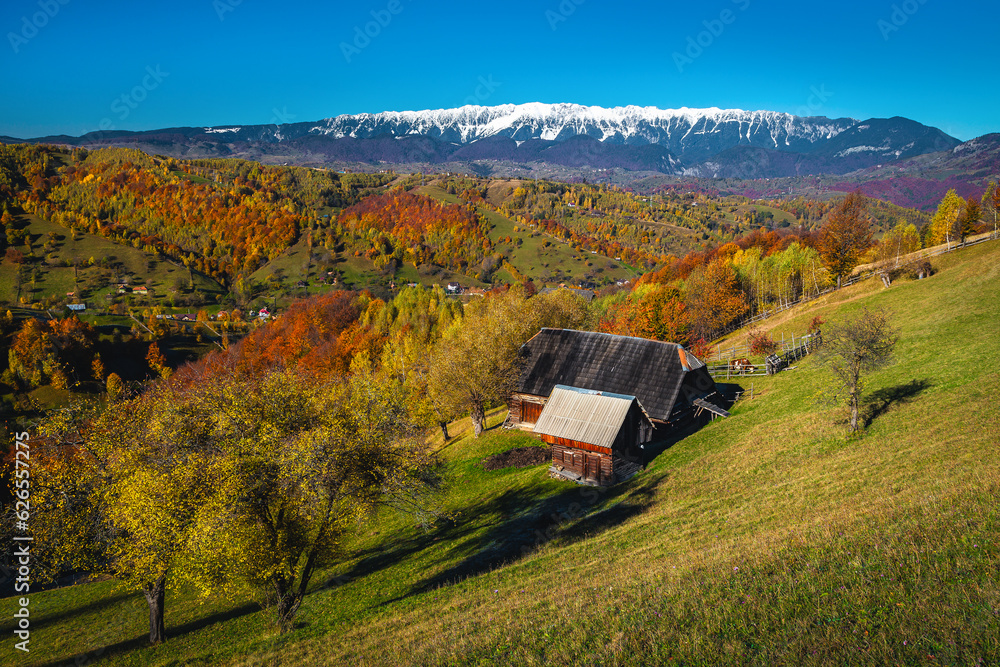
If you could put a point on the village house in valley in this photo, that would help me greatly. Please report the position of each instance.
(599, 398)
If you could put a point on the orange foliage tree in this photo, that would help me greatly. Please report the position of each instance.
(715, 299)
(845, 236)
(658, 313)
(417, 229)
(53, 351)
(320, 336)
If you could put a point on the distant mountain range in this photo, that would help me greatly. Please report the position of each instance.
(712, 143)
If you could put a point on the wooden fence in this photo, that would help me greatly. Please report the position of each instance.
(863, 272)
(789, 350)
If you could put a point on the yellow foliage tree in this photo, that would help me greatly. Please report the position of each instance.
(902, 240)
(302, 463)
(943, 223)
(114, 386)
(476, 365)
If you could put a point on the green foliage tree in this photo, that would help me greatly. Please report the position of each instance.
(854, 348)
(845, 236)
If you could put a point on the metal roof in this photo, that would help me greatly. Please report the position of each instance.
(584, 415)
(651, 370)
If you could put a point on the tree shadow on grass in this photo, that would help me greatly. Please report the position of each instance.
(881, 401)
(141, 642)
(377, 558)
(53, 619)
(579, 512)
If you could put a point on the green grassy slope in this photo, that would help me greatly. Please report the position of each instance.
(55, 280)
(765, 538)
(538, 255)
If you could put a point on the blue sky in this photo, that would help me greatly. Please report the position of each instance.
(67, 66)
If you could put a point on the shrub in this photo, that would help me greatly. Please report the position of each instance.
(701, 348)
(761, 343)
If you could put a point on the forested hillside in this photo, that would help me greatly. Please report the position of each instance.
(876, 545)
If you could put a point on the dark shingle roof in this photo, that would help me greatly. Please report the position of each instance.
(650, 370)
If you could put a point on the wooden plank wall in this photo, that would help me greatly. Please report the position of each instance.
(575, 444)
(589, 465)
(526, 408)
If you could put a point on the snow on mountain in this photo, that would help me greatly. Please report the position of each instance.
(713, 142)
(695, 133)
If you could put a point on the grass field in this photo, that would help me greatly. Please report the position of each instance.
(538, 255)
(354, 272)
(767, 538)
(55, 280)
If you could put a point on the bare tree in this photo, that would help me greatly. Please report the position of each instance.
(854, 348)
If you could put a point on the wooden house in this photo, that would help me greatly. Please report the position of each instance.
(665, 378)
(596, 437)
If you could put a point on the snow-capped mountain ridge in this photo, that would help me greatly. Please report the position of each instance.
(710, 143)
(679, 130)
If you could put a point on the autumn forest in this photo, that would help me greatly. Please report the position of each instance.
(211, 349)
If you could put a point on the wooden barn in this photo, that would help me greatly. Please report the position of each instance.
(669, 382)
(596, 437)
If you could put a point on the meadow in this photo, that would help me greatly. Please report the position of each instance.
(770, 537)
